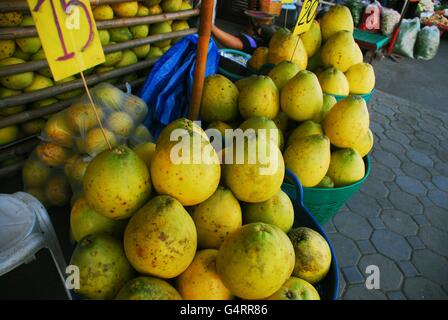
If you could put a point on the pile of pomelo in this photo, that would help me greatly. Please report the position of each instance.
(191, 229)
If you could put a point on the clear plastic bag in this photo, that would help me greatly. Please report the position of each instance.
(371, 19)
(389, 20)
(407, 37)
(427, 44)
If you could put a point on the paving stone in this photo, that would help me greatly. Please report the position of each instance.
(347, 252)
(421, 220)
(375, 187)
(329, 227)
(406, 118)
(407, 268)
(382, 172)
(441, 168)
(406, 202)
(352, 275)
(364, 205)
(441, 182)
(387, 158)
(396, 295)
(380, 118)
(439, 198)
(360, 292)
(342, 285)
(432, 119)
(426, 138)
(434, 239)
(397, 136)
(375, 127)
(403, 127)
(419, 288)
(413, 170)
(411, 185)
(390, 276)
(415, 242)
(392, 186)
(419, 158)
(429, 127)
(431, 266)
(425, 201)
(437, 217)
(366, 247)
(392, 146)
(391, 244)
(352, 225)
(442, 155)
(429, 185)
(377, 223)
(424, 147)
(399, 222)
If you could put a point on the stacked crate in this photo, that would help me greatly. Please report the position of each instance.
(23, 112)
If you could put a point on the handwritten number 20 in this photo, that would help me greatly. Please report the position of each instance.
(66, 4)
(309, 11)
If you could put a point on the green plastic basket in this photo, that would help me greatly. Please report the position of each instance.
(366, 97)
(324, 203)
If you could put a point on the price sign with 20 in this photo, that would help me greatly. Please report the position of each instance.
(306, 16)
(69, 50)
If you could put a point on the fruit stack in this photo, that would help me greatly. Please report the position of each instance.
(72, 137)
(22, 50)
(193, 228)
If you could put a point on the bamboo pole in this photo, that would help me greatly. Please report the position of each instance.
(24, 148)
(25, 32)
(11, 169)
(205, 29)
(73, 85)
(40, 64)
(22, 5)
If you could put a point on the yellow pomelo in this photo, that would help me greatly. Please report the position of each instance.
(296, 289)
(312, 252)
(148, 288)
(117, 183)
(10, 19)
(57, 191)
(220, 126)
(140, 135)
(219, 99)
(259, 58)
(141, 52)
(128, 58)
(81, 117)
(94, 142)
(155, 10)
(282, 73)
(347, 122)
(281, 121)
(312, 39)
(365, 144)
(58, 130)
(201, 281)
(104, 36)
(103, 12)
(171, 5)
(112, 58)
(334, 82)
(34, 173)
(326, 182)
(32, 44)
(39, 83)
(309, 159)
(17, 81)
(216, 218)
(159, 28)
(329, 102)
(361, 78)
(346, 167)
(120, 123)
(52, 154)
(305, 129)
(84, 221)
(341, 51)
(8, 134)
(103, 268)
(160, 239)
(32, 127)
(259, 98)
(145, 151)
(255, 261)
(286, 46)
(338, 18)
(126, 9)
(302, 98)
(266, 127)
(277, 211)
(70, 94)
(254, 168)
(5, 93)
(7, 48)
(187, 169)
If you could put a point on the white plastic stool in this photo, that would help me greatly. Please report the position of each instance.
(25, 229)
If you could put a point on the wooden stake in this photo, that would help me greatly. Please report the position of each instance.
(94, 109)
(205, 29)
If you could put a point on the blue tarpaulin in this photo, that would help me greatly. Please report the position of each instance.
(168, 88)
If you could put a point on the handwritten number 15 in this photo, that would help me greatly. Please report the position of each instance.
(65, 5)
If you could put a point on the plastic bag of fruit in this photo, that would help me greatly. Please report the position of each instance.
(407, 37)
(356, 8)
(427, 44)
(43, 175)
(77, 127)
(389, 20)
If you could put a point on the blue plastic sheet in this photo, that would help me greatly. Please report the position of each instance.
(168, 88)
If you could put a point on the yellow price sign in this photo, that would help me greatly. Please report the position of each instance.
(306, 16)
(68, 34)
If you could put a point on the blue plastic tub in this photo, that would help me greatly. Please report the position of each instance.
(328, 288)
